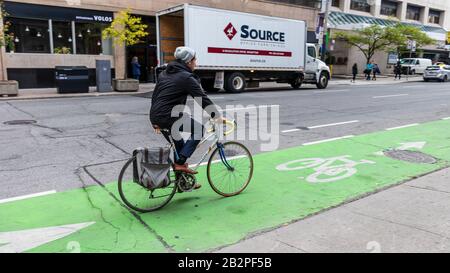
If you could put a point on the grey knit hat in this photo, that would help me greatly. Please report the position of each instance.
(184, 54)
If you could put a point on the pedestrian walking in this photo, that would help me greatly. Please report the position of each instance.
(136, 68)
(398, 70)
(375, 70)
(354, 72)
(368, 71)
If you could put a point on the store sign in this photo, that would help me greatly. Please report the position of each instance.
(33, 11)
(392, 58)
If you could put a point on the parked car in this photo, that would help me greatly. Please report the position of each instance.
(415, 65)
(436, 72)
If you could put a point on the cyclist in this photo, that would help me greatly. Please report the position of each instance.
(174, 85)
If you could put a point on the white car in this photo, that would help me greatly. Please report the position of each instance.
(436, 72)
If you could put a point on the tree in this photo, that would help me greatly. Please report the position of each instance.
(375, 38)
(126, 30)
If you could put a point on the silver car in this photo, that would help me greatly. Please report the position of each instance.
(436, 72)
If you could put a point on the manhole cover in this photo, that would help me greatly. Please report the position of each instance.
(410, 156)
(19, 122)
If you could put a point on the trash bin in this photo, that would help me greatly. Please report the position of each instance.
(72, 79)
(103, 72)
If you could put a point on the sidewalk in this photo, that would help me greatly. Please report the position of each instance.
(50, 93)
(411, 217)
(346, 80)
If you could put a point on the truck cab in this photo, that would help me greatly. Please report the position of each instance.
(316, 71)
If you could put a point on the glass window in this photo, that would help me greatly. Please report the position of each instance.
(389, 8)
(361, 5)
(89, 39)
(434, 16)
(30, 36)
(336, 3)
(62, 37)
(311, 51)
(413, 13)
(306, 3)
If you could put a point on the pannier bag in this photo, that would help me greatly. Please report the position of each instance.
(151, 167)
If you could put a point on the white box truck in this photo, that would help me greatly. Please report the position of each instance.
(236, 50)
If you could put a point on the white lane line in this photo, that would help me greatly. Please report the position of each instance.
(26, 196)
(401, 127)
(390, 96)
(327, 140)
(290, 131)
(333, 124)
(331, 91)
(446, 118)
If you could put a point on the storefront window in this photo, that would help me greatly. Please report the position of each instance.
(30, 36)
(89, 39)
(62, 37)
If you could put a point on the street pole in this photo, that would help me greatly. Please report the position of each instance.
(325, 29)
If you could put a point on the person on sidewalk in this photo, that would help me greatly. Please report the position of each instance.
(376, 70)
(368, 71)
(398, 70)
(136, 68)
(354, 72)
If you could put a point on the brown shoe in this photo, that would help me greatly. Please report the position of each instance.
(183, 168)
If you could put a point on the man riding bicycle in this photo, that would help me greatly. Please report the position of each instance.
(174, 85)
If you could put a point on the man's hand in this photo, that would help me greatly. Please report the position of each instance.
(157, 129)
(220, 120)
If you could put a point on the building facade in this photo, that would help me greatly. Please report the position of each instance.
(50, 33)
(432, 16)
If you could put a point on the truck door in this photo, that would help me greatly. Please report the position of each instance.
(311, 62)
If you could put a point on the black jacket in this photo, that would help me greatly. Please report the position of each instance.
(174, 85)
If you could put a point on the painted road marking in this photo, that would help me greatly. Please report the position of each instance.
(333, 124)
(401, 127)
(447, 118)
(327, 140)
(406, 146)
(331, 91)
(290, 131)
(23, 197)
(390, 96)
(23, 240)
(325, 168)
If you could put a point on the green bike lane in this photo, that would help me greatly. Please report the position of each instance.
(288, 185)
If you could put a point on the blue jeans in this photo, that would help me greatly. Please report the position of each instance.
(185, 149)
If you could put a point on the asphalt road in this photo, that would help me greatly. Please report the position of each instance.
(78, 141)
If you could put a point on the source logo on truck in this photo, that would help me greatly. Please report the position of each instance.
(255, 34)
(230, 31)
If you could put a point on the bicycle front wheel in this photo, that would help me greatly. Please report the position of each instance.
(138, 197)
(230, 169)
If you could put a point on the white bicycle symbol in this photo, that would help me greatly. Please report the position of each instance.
(325, 169)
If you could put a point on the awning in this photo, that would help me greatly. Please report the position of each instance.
(346, 21)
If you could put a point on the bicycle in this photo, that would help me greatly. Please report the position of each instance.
(230, 164)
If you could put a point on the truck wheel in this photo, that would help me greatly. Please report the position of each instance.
(208, 85)
(235, 83)
(323, 81)
(297, 83)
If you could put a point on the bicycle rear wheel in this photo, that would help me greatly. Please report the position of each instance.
(230, 169)
(139, 198)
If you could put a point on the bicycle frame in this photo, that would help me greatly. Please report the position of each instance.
(215, 143)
